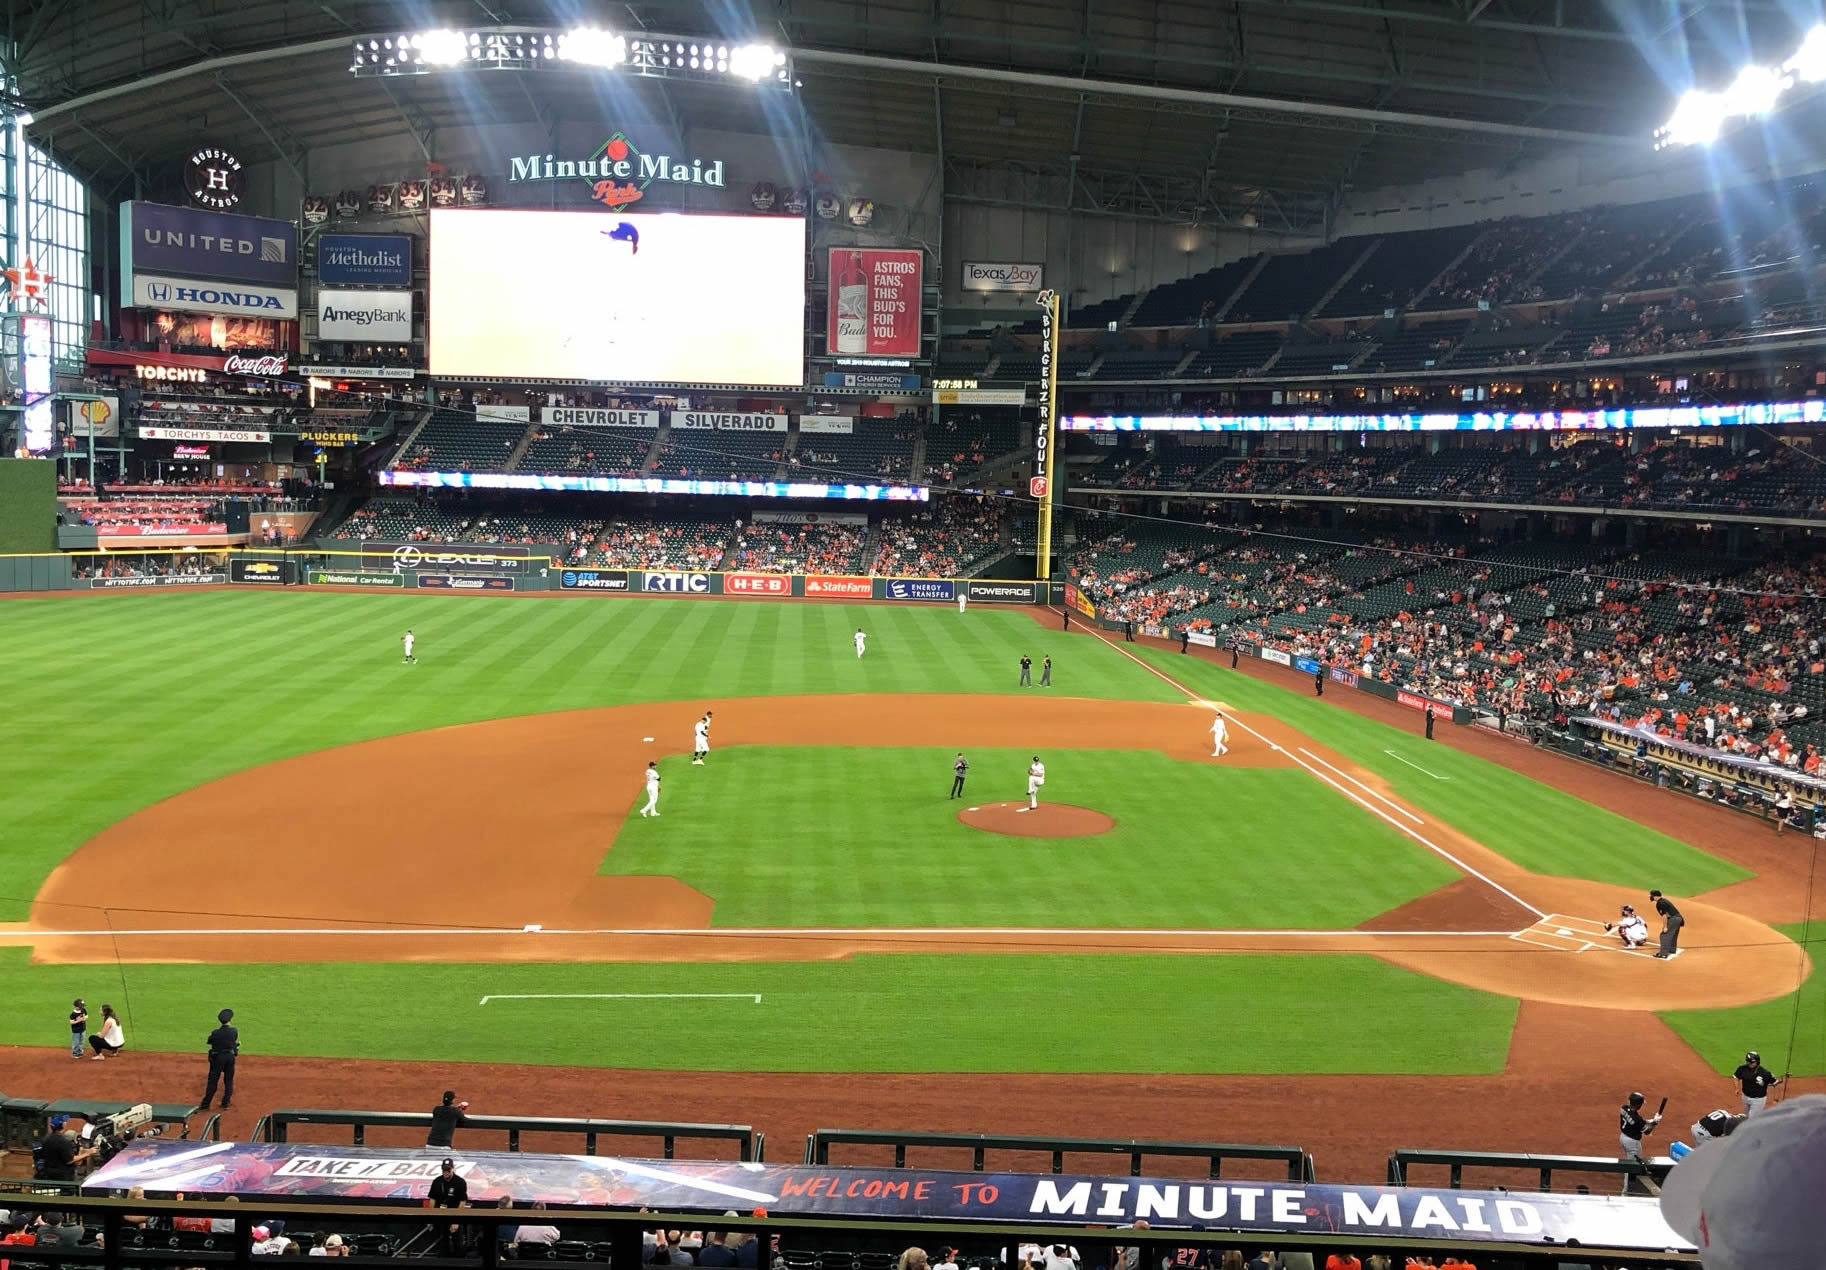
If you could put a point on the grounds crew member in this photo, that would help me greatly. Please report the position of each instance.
(224, 1045)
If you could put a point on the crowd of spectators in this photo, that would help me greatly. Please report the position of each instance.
(147, 515)
(941, 543)
(814, 546)
(697, 544)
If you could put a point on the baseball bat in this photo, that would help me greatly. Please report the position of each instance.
(1660, 1109)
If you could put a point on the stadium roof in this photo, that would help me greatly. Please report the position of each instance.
(1186, 111)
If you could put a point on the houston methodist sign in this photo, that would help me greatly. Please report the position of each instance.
(619, 172)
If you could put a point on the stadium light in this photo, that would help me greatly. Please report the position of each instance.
(1700, 116)
(585, 47)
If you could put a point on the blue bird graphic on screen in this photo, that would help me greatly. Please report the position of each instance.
(625, 233)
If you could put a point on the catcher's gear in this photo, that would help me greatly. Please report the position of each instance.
(1629, 910)
(1607, 928)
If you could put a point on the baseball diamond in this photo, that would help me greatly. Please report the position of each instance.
(479, 808)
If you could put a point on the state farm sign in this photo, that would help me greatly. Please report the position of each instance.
(757, 584)
(854, 588)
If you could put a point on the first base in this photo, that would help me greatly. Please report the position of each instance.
(647, 739)
(531, 930)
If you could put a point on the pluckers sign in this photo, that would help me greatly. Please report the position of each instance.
(619, 172)
(874, 302)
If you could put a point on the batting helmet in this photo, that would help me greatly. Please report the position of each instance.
(1753, 1058)
(1629, 909)
(1636, 1100)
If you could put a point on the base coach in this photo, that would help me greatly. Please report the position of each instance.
(224, 1046)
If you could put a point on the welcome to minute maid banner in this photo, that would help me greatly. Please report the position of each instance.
(298, 1170)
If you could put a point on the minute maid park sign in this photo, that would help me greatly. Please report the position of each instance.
(619, 172)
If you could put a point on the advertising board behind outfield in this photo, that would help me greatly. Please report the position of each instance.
(464, 582)
(173, 579)
(682, 583)
(593, 580)
(324, 577)
(757, 584)
(851, 588)
(261, 572)
(918, 589)
(500, 557)
(1000, 592)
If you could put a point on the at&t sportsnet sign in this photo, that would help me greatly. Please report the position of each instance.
(593, 580)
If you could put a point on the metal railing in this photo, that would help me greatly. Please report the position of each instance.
(1544, 1166)
(1299, 1163)
(275, 1127)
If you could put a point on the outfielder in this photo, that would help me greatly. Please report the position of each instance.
(1754, 1081)
(652, 807)
(861, 640)
(700, 741)
(1629, 927)
(963, 599)
(1220, 730)
(1036, 777)
(407, 640)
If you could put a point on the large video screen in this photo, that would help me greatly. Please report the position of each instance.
(654, 298)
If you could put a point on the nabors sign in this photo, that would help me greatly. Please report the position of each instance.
(619, 172)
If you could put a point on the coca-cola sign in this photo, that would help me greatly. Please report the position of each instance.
(235, 364)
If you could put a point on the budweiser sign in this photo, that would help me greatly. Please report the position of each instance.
(268, 365)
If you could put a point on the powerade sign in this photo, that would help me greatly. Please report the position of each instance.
(593, 580)
(679, 583)
(364, 260)
(921, 589)
(1002, 592)
(188, 242)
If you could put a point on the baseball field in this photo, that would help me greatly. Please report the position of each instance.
(246, 799)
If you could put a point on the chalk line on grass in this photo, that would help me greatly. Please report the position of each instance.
(1393, 805)
(622, 996)
(1354, 797)
(1417, 767)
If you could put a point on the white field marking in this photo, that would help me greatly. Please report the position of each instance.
(1417, 767)
(623, 996)
(1522, 936)
(1564, 920)
(1373, 810)
(1394, 806)
(754, 932)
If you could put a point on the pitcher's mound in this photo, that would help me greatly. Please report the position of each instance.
(1049, 820)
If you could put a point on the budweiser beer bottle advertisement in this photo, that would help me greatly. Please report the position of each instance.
(851, 285)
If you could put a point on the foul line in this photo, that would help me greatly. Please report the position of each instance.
(1375, 811)
(1417, 767)
(1395, 806)
(623, 996)
(1086, 933)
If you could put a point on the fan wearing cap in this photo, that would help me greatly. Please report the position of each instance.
(449, 1190)
(1633, 1126)
(1752, 1201)
(1754, 1081)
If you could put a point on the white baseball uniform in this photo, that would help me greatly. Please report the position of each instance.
(860, 638)
(408, 640)
(963, 601)
(1633, 931)
(700, 741)
(1036, 777)
(652, 807)
(1219, 731)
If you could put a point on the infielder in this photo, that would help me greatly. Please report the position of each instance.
(1036, 777)
(1629, 927)
(700, 741)
(652, 807)
(1220, 730)
(861, 640)
(408, 639)
(1754, 1081)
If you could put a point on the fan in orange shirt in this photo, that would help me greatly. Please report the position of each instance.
(1342, 1261)
(1453, 1262)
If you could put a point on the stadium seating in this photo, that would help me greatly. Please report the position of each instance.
(587, 451)
(457, 441)
(878, 450)
(1288, 286)
(810, 547)
(661, 542)
(1397, 269)
(720, 456)
(957, 533)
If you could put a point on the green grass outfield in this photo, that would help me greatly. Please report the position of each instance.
(870, 838)
(136, 697)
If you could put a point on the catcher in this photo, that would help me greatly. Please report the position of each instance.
(1629, 927)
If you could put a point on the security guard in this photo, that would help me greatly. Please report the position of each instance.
(224, 1045)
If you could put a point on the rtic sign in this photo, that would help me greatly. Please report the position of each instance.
(688, 583)
(235, 364)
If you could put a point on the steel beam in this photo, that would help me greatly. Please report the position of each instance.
(289, 149)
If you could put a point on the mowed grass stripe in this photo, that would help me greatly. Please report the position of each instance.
(1537, 826)
(1722, 1036)
(809, 836)
(1144, 1014)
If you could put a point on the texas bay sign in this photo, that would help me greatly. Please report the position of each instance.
(619, 172)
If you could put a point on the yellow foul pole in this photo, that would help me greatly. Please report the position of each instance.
(1045, 433)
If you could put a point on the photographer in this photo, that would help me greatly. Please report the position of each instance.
(58, 1153)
